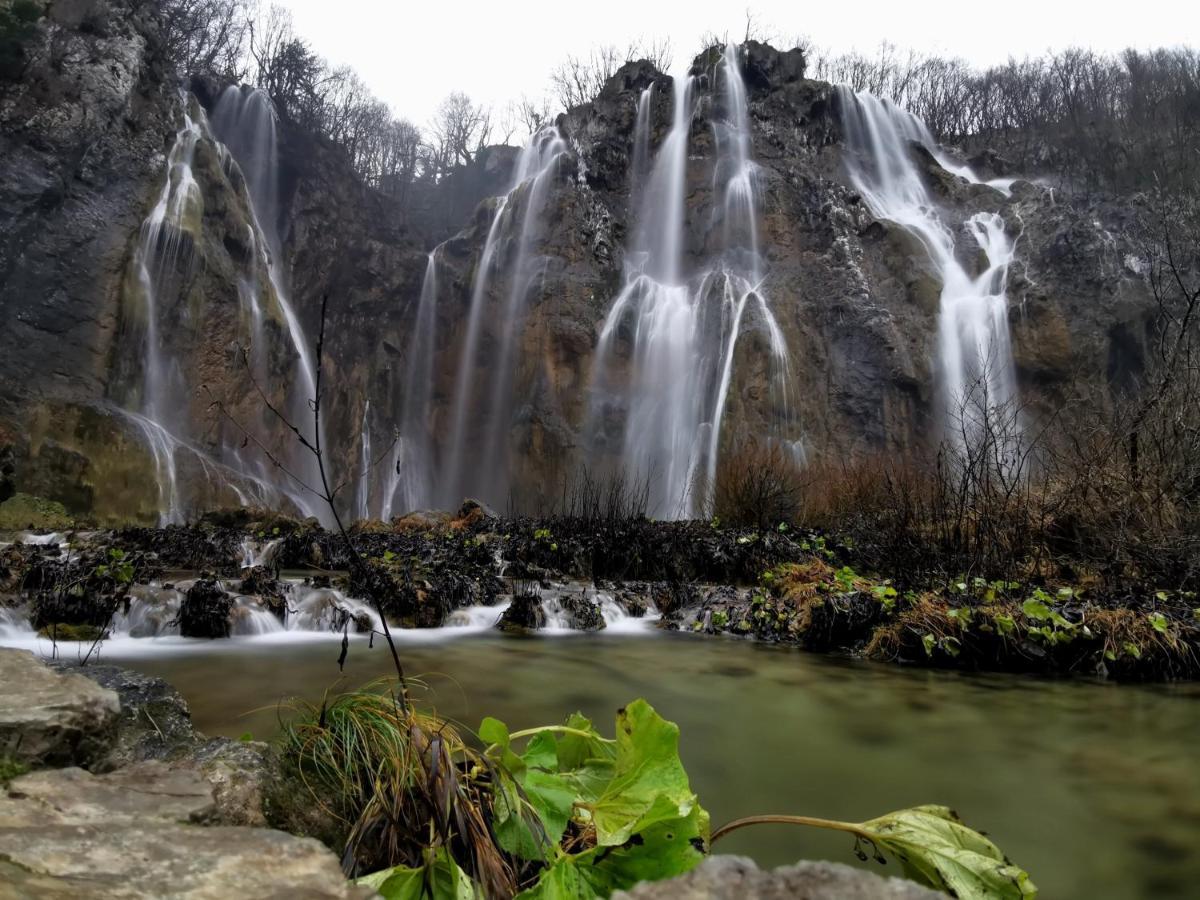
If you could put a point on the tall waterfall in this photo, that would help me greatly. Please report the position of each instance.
(166, 235)
(409, 481)
(974, 354)
(680, 329)
(477, 452)
(161, 257)
(244, 120)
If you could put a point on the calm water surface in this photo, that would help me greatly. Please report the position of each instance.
(1094, 788)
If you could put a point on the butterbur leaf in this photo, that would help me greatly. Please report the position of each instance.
(648, 782)
(935, 848)
(440, 879)
(663, 850)
(531, 813)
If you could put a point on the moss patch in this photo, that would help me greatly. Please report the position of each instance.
(22, 511)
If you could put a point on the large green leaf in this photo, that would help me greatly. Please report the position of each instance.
(935, 848)
(440, 879)
(648, 783)
(532, 803)
(663, 850)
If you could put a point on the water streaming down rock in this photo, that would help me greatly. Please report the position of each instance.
(663, 422)
(244, 121)
(160, 409)
(974, 354)
(164, 246)
(409, 481)
(516, 225)
(362, 498)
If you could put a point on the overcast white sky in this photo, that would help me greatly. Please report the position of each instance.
(413, 52)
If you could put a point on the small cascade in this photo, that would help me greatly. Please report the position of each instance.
(254, 554)
(515, 228)
(974, 354)
(680, 330)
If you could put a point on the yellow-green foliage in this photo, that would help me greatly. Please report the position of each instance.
(22, 511)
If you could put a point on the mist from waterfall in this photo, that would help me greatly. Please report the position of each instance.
(476, 455)
(974, 354)
(680, 330)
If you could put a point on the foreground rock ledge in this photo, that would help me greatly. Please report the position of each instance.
(138, 831)
(738, 878)
(53, 718)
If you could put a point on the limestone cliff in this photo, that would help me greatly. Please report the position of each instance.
(86, 136)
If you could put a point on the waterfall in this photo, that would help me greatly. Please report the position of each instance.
(517, 218)
(974, 354)
(409, 479)
(244, 121)
(165, 242)
(680, 331)
(362, 507)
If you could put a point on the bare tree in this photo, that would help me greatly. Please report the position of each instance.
(461, 128)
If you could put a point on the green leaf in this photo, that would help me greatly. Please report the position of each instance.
(1159, 622)
(928, 641)
(440, 879)
(935, 848)
(663, 850)
(1035, 609)
(649, 784)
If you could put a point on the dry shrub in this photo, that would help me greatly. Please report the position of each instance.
(758, 485)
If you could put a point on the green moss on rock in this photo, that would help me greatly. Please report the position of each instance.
(22, 511)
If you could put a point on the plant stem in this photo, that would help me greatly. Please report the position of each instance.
(830, 824)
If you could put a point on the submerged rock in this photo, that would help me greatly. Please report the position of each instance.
(738, 878)
(53, 718)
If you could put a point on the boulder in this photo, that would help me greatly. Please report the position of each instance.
(53, 718)
(205, 610)
(738, 878)
(525, 613)
(154, 722)
(582, 613)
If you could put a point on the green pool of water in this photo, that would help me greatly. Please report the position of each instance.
(1094, 788)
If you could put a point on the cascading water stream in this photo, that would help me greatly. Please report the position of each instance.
(661, 403)
(517, 217)
(683, 332)
(166, 235)
(974, 353)
(410, 475)
(245, 122)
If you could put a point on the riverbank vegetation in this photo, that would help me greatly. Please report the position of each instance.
(560, 810)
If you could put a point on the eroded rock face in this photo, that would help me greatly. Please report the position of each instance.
(738, 878)
(53, 718)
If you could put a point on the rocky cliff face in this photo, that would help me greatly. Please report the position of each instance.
(85, 148)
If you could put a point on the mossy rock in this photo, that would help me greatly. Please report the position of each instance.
(22, 511)
(11, 768)
(62, 631)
